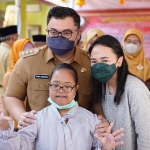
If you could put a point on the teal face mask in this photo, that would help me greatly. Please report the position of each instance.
(62, 107)
(103, 72)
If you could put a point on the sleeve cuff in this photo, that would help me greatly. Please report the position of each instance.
(7, 134)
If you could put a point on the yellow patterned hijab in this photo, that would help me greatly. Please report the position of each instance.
(90, 34)
(138, 64)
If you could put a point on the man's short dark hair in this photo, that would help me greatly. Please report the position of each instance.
(59, 12)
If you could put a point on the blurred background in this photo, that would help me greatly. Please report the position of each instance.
(114, 17)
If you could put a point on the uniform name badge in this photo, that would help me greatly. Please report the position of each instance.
(41, 76)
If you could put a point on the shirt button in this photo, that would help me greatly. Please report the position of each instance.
(82, 121)
(40, 86)
(83, 70)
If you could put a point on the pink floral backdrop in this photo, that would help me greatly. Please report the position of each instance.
(117, 22)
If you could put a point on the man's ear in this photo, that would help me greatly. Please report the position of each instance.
(79, 35)
(11, 37)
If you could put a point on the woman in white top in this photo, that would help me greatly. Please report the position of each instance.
(125, 98)
(61, 126)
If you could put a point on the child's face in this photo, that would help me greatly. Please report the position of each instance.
(61, 78)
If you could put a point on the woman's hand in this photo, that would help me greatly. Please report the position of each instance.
(109, 141)
(103, 126)
(26, 119)
(4, 125)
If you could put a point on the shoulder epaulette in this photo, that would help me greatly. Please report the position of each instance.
(85, 53)
(31, 52)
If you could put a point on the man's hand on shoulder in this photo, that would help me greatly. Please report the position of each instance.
(26, 119)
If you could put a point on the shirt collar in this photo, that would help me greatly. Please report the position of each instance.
(5, 44)
(48, 54)
(78, 55)
(69, 114)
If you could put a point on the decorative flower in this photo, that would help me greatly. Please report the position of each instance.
(122, 2)
(80, 2)
(140, 67)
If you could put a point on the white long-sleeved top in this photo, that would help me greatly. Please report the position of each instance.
(51, 132)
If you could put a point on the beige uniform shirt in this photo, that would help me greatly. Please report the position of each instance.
(31, 75)
(4, 59)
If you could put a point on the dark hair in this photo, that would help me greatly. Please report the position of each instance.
(99, 88)
(69, 68)
(59, 12)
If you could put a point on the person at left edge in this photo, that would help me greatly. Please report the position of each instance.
(7, 36)
(17, 46)
(31, 73)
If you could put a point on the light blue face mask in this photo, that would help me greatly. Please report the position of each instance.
(70, 105)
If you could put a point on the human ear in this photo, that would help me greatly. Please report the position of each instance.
(77, 87)
(14, 37)
(49, 85)
(79, 34)
(11, 37)
(119, 62)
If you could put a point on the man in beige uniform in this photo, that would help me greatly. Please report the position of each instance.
(31, 74)
(39, 40)
(7, 36)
